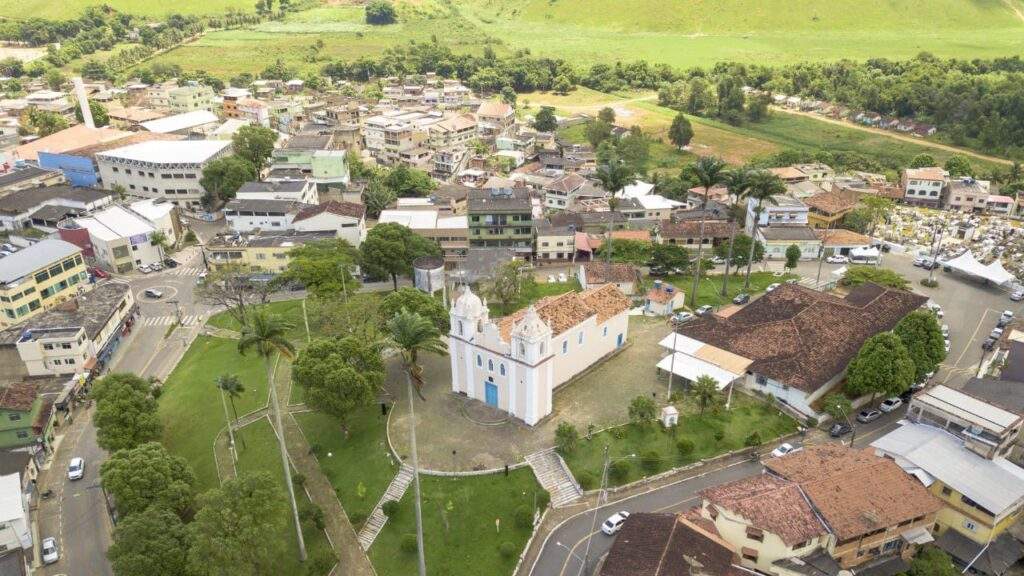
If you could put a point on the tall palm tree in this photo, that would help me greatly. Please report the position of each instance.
(159, 239)
(737, 182)
(705, 391)
(265, 335)
(614, 176)
(764, 187)
(710, 171)
(232, 387)
(412, 334)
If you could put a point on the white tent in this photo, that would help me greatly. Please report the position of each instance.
(968, 264)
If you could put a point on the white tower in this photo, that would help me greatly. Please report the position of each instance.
(467, 316)
(531, 338)
(531, 386)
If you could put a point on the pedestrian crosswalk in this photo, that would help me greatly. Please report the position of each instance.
(186, 320)
(185, 271)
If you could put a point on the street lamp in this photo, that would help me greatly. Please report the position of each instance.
(853, 429)
(571, 553)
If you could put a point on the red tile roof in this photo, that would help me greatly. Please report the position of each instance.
(18, 397)
(564, 311)
(691, 229)
(668, 545)
(350, 209)
(604, 272)
(771, 504)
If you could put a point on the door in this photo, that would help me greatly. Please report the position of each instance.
(618, 341)
(491, 394)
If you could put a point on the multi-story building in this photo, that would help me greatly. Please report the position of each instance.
(827, 210)
(924, 186)
(346, 219)
(230, 97)
(244, 215)
(117, 237)
(39, 277)
(785, 211)
(21, 209)
(985, 429)
(301, 191)
(561, 193)
(453, 132)
(194, 123)
(189, 98)
(262, 253)
(15, 525)
(967, 194)
(555, 243)
(494, 117)
(515, 363)
(501, 218)
(162, 169)
(255, 111)
(325, 168)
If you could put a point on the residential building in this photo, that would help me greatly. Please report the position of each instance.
(924, 186)
(39, 277)
(189, 98)
(262, 253)
(687, 232)
(255, 111)
(50, 100)
(982, 497)
(595, 274)
(663, 299)
(501, 218)
(555, 243)
(162, 169)
(450, 232)
(24, 177)
(763, 346)
(790, 174)
(325, 168)
(15, 526)
(821, 174)
(842, 242)
(75, 338)
(514, 364)
(131, 117)
(1004, 205)
(21, 209)
(164, 216)
(20, 407)
(967, 194)
(453, 132)
(827, 210)
(494, 117)
(244, 215)
(652, 544)
(871, 507)
(300, 191)
(346, 219)
(560, 194)
(117, 237)
(194, 122)
(778, 239)
(650, 207)
(786, 211)
(985, 428)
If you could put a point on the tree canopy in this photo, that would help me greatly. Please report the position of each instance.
(339, 375)
(681, 131)
(932, 561)
(669, 257)
(389, 250)
(254, 143)
(380, 12)
(793, 254)
(417, 301)
(740, 251)
(223, 177)
(920, 333)
(860, 274)
(882, 367)
(409, 182)
(324, 267)
(125, 414)
(509, 282)
(147, 475)
(150, 542)
(99, 114)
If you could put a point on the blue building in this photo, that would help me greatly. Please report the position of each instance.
(78, 170)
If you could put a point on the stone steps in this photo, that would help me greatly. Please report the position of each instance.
(554, 476)
(375, 523)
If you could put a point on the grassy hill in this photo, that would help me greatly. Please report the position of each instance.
(65, 9)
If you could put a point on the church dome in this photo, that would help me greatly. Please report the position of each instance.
(531, 327)
(468, 304)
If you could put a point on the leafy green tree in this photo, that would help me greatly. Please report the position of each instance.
(743, 245)
(606, 114)
(265, 334)
(154, 541)
(339, 375)
(324, 267)
(159, 239)
(958, 165)
(416, 301)
(764, 187)
(377, 197)
(562, 85)
(148, 476)
(920, 333)
(705, 391)
(642, 410)
(680, 133)
(237, 532)
(45, 122)
(923, 160)
(255, 144)
(409, 182)
(736, 182)
(614, 176)
(932, 561)
(54, 78)
(389, 250)
(757, 107)
(859, 220)
(125, 414)
(545, 120)
(635, 252)
(508, 96)
(860, 274)
(380, 12)
(670, 257)
(838, 406)
(510, 281)
(566, 437)
(633, 150)
(597, 131)
(99, 114)
(883, 366)
(878, 209)
(793, 254)
(223, 177)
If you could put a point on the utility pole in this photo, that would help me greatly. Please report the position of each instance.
(421, 560)
(597, 506)
(231, 432)
(935, 253)
(728, 259)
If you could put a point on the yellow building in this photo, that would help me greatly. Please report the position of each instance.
(38, 278)
(266, 253)
(827, 210)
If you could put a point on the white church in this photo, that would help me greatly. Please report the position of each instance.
(515, 363)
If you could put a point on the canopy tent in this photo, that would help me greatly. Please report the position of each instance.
(871, 254)
(692, 359)
(692, 368)
(968, 264)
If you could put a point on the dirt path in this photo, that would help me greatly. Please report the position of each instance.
(896, 136)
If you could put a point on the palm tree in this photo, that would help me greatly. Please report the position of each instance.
(265, 334)
(412, 334)
(614, 176)
(737, 182)
(764, 187)
(705, 391)
(710, 171)
(232, 387)
(159, 239)
(1014, 174)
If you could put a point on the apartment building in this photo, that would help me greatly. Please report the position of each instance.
(967, 194)
(245, 215)
(37, 207)
(262, 253)
(924, 186)
(188, 98)
(785, 211)
(501, 218)
(301, 191)
(39, 277)
(117, 237)
(162, 169)
(453, 132)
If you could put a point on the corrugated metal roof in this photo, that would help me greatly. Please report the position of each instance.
(968, 408)
(34, 257)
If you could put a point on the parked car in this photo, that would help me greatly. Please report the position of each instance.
(741, 298)
(76, 469)
(936, 309)
(145, 269)
(838, 259)
(868, 415)
(930, 264)
(772, 287)
(705, 309)
(551, 278)
(1005, 318)
(153, 293)
(839, 429)
(201, 278)
(784, 449)
(170, 263)
(945, 331)
(99, 272)
(156, 266)
(919, 261)
(996, 333)
(614, 522)
(681, 317)
(946, 345)
(890, 404)
(793, 281)
(989, 343)
(50, 554)
(1017, 295)
(657, 272)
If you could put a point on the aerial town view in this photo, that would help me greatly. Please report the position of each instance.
(511, 288)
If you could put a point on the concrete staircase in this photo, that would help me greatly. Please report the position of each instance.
(375, 523)
(554, 476)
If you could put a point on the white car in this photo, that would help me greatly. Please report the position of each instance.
(945, 331)
(772, 287)
(156, 266)
(50, 554)
(919, 261)
(1017, 295)
(551, 278)
(682, 317)
(946, 345)
(154, 293)
(145, 269)
(614, 522)
(936, 309)
(837, 259)
(890, 404)
(76, 469)
(1005, 318)
(784, 449)
(996, 333)
(703, 310)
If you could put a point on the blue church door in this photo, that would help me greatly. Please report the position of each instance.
(491, 394)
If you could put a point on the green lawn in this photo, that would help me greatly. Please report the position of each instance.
(459, 524)
(190, 405)
(66, 9)
(262, 454)
(360, 458)
(746, 415)
(288, 310)
(711, 286)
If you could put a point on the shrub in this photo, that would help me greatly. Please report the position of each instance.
(524, 517)
(390, 508)
(507, 549)
(619, 470)
(811, 422)
(719, 435)
(753, 440)
(190, 236)
(685, 447)
(543, 499)
(619, 433)
(586, 480)
(320, 563)
(566, 437)
(299, 479)
(311, 513)
(408, 543)
(651, 461)
(929, 283)
(357, 519)
(156, 391)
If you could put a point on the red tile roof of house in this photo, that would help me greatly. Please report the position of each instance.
(832, 202)
(771, 504)
(350, 209)
(663, 294)
(691, 229)
(564, 311)
(605, 272)
(18, 397)
(652, 544)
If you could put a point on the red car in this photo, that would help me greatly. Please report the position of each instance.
(98, 272)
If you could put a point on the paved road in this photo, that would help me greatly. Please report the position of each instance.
(565, 550)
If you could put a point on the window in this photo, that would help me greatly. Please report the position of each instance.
(501, 369)
(14, 417)
(565, 347)
(522, 347)
(755, 534)
(479, 361)
(65, 345)
(749, 554)
(605, 331)
(490, 365)
(713, 512)
(47, 346)
(460, 330)
(891, 546)
(800, 545)
(946, 491)
(579, 339)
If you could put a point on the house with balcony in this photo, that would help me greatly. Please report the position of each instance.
(501, 218)
(924, 186)
(786, 211)
(39, 277)
(986, 429)
(967, 194)
(827, 210)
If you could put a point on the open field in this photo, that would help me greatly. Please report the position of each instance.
(67, 9)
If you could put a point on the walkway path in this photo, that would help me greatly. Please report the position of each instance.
(554, 476)
(375, 523)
